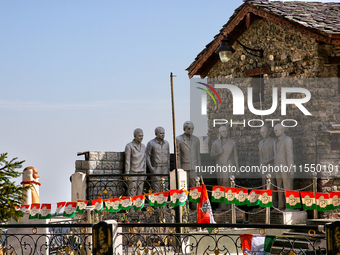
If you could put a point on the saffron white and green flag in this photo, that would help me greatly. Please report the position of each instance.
(45, 211)
(60, 206)
(241, 196)
(308, 200)
(323, 202)
(293, 199)
(70, 209)
(98, 205)
(126, 203)
(81, 206)
(138, 202)
(257, 244)
(266, 198)
(35, 209)
(195, 194)
(230, 195)
(24, 208)
(217, 194)
(178, 197)
(335, 199)
(113, 205)
(253, 198)
(161, 199)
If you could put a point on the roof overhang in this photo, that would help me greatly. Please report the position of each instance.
(238, 24)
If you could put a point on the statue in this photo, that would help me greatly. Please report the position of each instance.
(30, 178)
(135, 163)
(158, 158)
(283, 158)
(224, 151)
(188, 152)
(266, 155)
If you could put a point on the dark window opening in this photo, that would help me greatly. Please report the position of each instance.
(257, 83)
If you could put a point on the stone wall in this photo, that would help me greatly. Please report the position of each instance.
(304, 63)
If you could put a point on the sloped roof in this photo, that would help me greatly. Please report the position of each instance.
(316, 19)
(322, 16)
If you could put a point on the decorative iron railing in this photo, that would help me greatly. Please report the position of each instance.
(143, 238)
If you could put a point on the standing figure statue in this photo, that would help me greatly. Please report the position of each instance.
(283, 158)
(158, 158)
(30, 178)
(188, 152)
(224, 151)
(135, 163)
(266, 155)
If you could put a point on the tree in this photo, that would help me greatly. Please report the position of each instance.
(11, 195)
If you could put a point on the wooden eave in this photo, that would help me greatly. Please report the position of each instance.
(239, 24)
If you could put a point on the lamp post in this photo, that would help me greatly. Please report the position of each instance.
(225, 50)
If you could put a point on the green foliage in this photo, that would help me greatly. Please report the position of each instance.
(11, 195)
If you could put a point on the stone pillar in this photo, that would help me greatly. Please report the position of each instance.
(78, 180)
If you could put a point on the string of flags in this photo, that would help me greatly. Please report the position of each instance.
(264, 198)
(239, 196)
(43, 211)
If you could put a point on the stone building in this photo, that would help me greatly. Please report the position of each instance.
(301, 48)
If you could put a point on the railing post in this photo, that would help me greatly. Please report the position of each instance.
(233, 212)
(315, 189)
(268, 176)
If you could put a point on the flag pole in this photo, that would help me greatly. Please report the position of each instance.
(178, 214)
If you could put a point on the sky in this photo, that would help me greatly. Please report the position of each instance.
(78, 75)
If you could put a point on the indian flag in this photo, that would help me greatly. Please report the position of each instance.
(195, 194)
(308, 200)
(178, 197)
(217, 194)
(323, 203)
(335, 199)
(241, 196)
(70, 209)
(126, 203)
(293, 199)
(113, 205)
(81, 206)
(257, 244)
(60, 206)
(35, 209)
(253, 198)
(45, 211)
(98, 205)
(230, 195)
(138, 202)
(161, 198)
(266, 198)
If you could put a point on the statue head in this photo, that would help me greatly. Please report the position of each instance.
(138, 134)
(264, 131)
(160, 133)
(279, 130)
(30, 173)
(223, 131)
(188, 128)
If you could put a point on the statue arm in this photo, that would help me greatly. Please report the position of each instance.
(198, 152)
(178, 153)
(127, 159)
(236, 157)
(289, 153)
(148, 156)
(214, 153)
(168, 156)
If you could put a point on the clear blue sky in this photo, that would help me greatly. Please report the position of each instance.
(82, 75)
